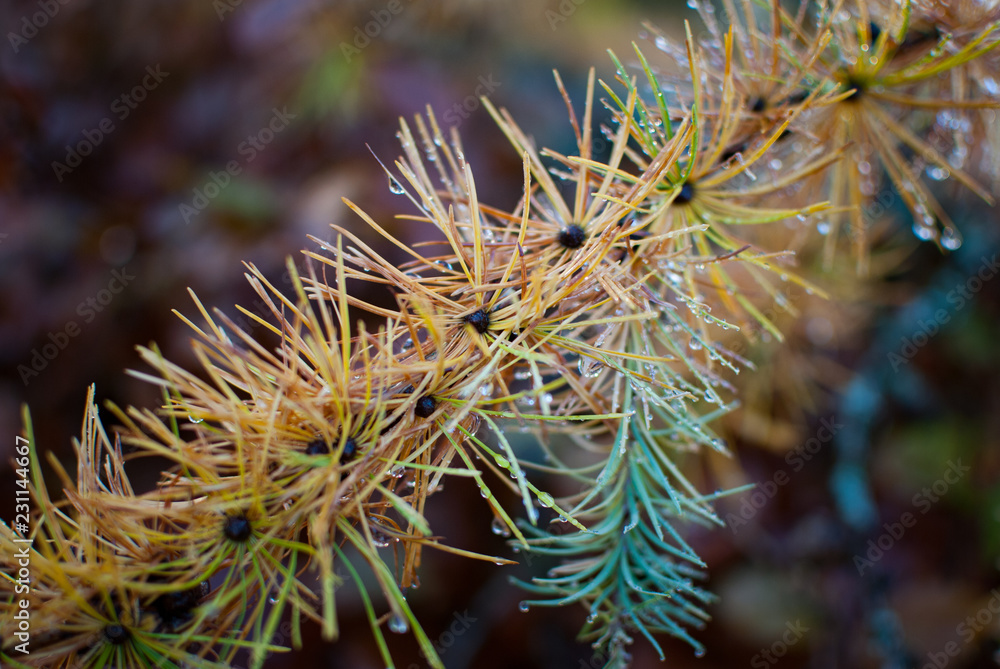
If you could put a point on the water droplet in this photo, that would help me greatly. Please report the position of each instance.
(196, 420)
(819, 330)
(395, 187)
(743, 166)
(937, 173)
(589, 368)
(380, 539)
(499, 528)
(950, 239)
(523, 606)
(398, 624)
(924, 232)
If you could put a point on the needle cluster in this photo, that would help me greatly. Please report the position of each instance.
(588, 314)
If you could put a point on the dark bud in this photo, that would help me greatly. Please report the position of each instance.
(573, 237)
(874, 31)
(480, 320)
(859, 88)
(174, 608)
(686, 194)
(116, 634)
(317, 447)
(425, 406)
(237, 528)
(350, 450)
(407, 390)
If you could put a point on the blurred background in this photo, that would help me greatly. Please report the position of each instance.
(148, 148)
